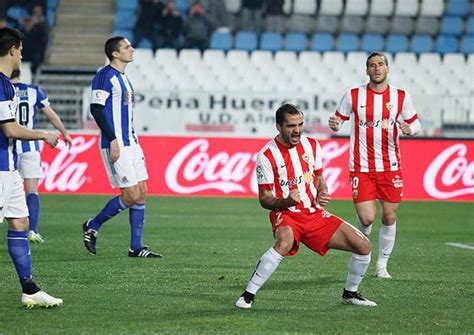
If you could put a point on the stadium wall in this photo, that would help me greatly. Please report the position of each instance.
(201, 166)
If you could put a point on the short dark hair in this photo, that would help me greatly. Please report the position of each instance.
(111, 45)
(9, 37)
(286, 108)
(373, 54)
(15, 74)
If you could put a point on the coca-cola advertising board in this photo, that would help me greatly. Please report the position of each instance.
(197, 166)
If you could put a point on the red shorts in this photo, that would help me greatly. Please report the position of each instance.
(313, 229)
(386, 186)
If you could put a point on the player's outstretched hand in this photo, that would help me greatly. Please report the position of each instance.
(293, 198)
(405, 128)
(323, 198)
(51, 139)
(114, 151)
(334, 122)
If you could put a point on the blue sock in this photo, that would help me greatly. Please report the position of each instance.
(33, 203)
(137, 220)
(19, 250)
(112, 208)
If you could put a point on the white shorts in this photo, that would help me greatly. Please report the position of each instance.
(12, 196)
(29, 165)
(129, 169)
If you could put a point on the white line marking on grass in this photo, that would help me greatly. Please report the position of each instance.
(460, 245)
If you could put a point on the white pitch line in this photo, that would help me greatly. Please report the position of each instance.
(460, 245)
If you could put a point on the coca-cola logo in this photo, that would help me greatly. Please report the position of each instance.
(193, 169)
(63, 173)
(452, 171)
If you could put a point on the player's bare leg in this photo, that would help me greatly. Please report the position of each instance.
(267, 264)
(366, 212)
(350, 239)
(387, 234)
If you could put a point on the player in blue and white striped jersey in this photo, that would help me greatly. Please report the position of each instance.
(31, 100)
(112, 106)
(12, 197)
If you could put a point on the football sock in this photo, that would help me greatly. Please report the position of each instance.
(386, 243)
(265, 267)
(33, 203)
(112, 208)
(19, 250)
(28, 285)
(137, 220)
(366, 230)
(357, 268)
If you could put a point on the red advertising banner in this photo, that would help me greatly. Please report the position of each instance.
(432, 169)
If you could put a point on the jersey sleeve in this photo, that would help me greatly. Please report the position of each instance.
(7, 103)
(264, 170)
(408, 112)
(101, 89)
(42, 100)
(344, 109)
(318, 159)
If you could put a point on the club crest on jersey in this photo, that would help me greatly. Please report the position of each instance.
(259, 172)
(326, 214)
(389, 106)
(305, 157)
(397, 181)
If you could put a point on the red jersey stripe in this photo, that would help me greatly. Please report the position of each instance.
(401, 101)
(386, 118)
(369, 131)
(413, 119)
(355, 109)
(342, 117)
(305, 167)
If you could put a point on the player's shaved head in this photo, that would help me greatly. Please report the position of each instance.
(111, 45)
(286, 108)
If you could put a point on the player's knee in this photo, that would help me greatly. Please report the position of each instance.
(389, 219)
(364, 247)
(367, 220)
(284, 243)
(130, 198)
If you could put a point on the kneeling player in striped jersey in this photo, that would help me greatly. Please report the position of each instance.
(291, 185)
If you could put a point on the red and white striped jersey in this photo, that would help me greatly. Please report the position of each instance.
(283, 169)
(374, 126)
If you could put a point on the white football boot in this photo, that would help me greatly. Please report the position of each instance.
(40, 299)
(35, 237)
(382, 273)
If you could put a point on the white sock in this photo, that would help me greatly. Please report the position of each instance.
(357, 268)
(366, 230)
(265, 267)
(386, 243)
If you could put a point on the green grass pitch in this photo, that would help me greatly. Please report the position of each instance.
(210, 248)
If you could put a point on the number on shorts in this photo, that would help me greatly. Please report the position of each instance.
(355, 182)
(24, 108)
